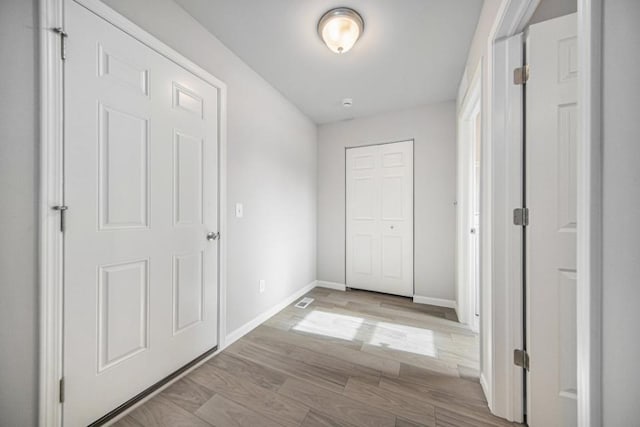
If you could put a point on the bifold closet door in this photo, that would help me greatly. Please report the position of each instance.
(141, 184)
(379, 218)
(551, 181)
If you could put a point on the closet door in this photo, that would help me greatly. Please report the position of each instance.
(379, 216)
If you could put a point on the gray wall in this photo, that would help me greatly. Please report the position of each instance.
(621, 210)
(433, 128)
(18, 220)
(271, 167)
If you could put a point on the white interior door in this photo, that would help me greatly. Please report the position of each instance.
(551, 236)
(141, 179)
(379, 243)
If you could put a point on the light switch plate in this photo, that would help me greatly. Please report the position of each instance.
(239, 210)
(263, 285)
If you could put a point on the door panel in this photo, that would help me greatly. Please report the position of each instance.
(380, 218)
(123, 174)
(141, 179)
(188, 290)
(392, 257)
(123, 295)
(551, 236)
(392, 196)
(188, 157)
(364, 198)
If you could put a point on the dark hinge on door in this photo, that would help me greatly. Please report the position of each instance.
(63, 42)
(521, 217)
(521, 359)
(61, 390)
(521, 75)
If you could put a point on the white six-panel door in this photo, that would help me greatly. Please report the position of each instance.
(141, 183)
(379, 209)
(551, 236)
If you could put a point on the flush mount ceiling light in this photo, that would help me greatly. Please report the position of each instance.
(340, 29)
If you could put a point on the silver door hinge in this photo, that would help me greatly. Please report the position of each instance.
(521, 359)
(61, 390)
(63, 42)
(62, 209)
(521, 75)
(521, 216)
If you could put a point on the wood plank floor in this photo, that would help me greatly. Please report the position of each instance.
(349, 359)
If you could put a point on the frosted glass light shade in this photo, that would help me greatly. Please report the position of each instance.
(340, 29)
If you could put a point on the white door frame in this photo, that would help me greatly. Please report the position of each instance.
(589, 260)
(501, 190)
(51, 189)
(470, 107)
(513, 15)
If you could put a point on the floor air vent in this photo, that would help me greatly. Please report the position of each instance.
(304, 302)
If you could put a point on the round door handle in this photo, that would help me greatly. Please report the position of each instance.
(472, 231)
(213, 236)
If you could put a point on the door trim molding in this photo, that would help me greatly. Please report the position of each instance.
(470, 106)
(503, 389)
(50, 238)
(589, 213)
(505, 380)
(51, 243)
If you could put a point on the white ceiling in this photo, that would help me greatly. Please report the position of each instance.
(412, 52)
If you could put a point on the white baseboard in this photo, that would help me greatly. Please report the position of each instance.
(434, 301)
(261, 318)
(332, 285)
(485, 389)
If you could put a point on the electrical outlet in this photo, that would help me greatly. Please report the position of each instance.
(263, 285)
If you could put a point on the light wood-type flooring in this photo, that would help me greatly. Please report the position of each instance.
(349, 359)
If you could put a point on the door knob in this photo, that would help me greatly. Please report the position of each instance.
(472, 231)
(213, 236)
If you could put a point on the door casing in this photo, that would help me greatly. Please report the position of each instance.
(467, 113)
(51, 241)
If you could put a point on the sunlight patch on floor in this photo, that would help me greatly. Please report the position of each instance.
(415, 340)
(330, 324)
(394, 336)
